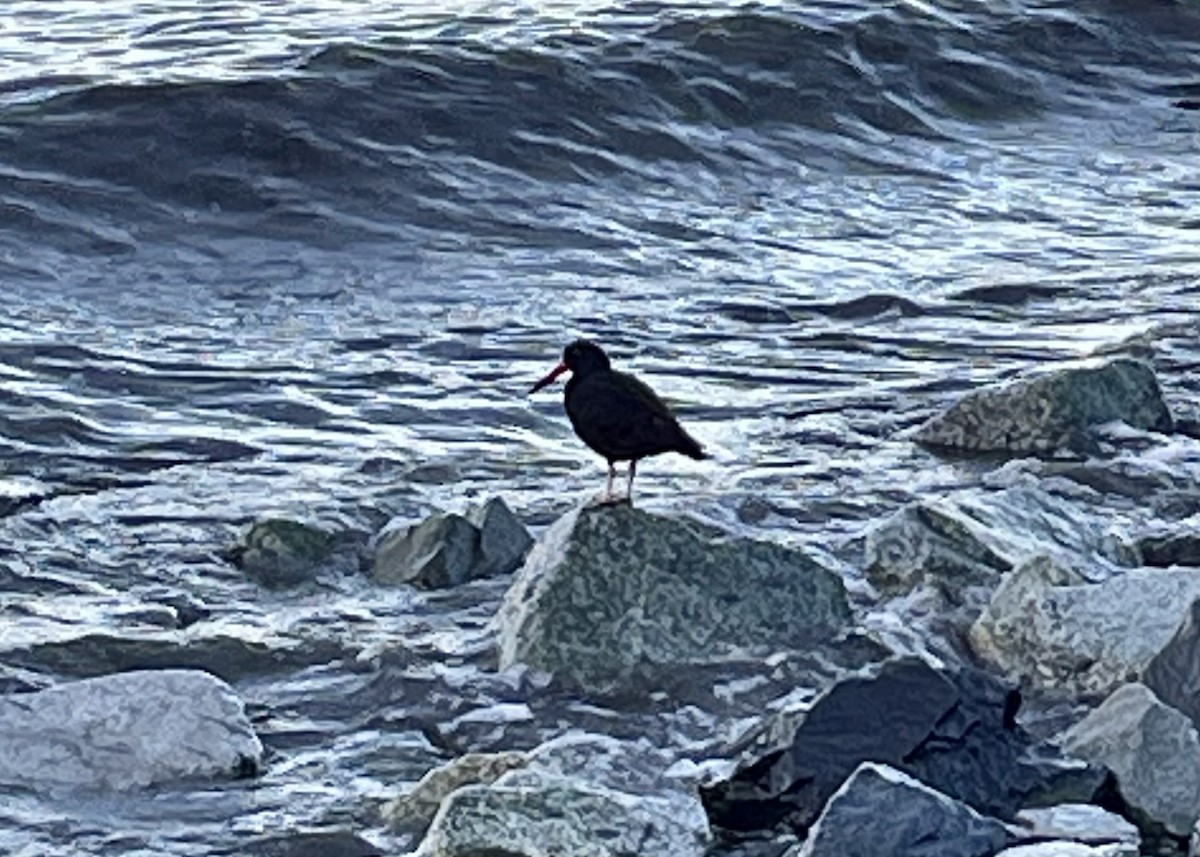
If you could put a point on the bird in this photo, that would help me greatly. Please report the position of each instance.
(617, 414)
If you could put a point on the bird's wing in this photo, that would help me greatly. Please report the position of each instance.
(625, 419)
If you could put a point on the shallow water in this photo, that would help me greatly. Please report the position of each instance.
(306, 259)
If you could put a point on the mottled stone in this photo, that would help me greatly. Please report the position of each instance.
(334, 843)
(1051, 411)
(613, 595)
(1070, 849)
(415, 809)
(1152, 749)
(449, 549)
(1048, 626)
(126, 731)
(882, 812)
(581, 796)
(279, 553)
(1174, 673)
(1164, 551)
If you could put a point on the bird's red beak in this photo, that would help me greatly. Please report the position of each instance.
(558, 370)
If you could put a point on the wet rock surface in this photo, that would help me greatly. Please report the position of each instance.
(1054, 411)
(126, 731)
(279, 553)
(613, 596)
(1174, 673)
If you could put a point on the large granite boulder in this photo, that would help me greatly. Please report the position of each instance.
(1051, 411)
(1174, 673)
(579, 796)
(1152, 749)
(413, 810)
(1050, 627)
(955, 731)
(882, 812)
(126, 731)
(450, 549)
(612, 595)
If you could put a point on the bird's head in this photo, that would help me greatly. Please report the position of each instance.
(580, 358)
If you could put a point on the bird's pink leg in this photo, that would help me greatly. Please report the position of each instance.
(629, 487)
(612, 474)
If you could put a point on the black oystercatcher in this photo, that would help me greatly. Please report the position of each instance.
(616, 414)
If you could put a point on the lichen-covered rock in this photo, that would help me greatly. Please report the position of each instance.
(1052, 411)
(278, 552)
(450, 549)
(612, 595)
(1050, 627)
(1174, 673)
(882, 812)
(580, 796)
(416, 808)
(1152, 749)
(126, 731)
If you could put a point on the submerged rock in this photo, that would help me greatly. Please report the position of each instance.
(954, 731)
(1079, 822)
(1050, 627)
(1152, 749)
(450, 549)
(335, 843)
(882, 812)
(126, 731)
(1070, 849)
(1174, 673)
(279, 553)
(1053, 411)
(580, 796)
(612, 595)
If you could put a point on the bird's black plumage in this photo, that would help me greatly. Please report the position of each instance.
(615, 413)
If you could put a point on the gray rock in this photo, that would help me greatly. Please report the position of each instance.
(581, 795)
(1079, 822)
(1152, 749)
(1048, 626)
(1052, 411)
(450, 549)
(334, 843)
(1164, 551)
(279, 553)
(612, 595)
(1174, 673)
(880, 811)
(126, 731)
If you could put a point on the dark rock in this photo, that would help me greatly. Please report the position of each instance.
(1174, 673)
(882, 812)
(1154, 752)
(324, 844)
(612, 596)
(1170, 550)
(447, 550)
(280, 553)
(954, 731)
(1051, 412)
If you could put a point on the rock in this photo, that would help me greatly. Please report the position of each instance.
(882, 812)
(231, 658)
(613, 595)
(1053, 411)
(279, 553)
(336, 843)
(126, 731)
(1079, 822)
(1164, 551)
(414, 810)
(447, 550)
(1051, 628)
(1069, 849)
(580, 795)
(1174, 673)
(1152, 749)
(954, 731)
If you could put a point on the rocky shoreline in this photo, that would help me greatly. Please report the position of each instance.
(1015, 670)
